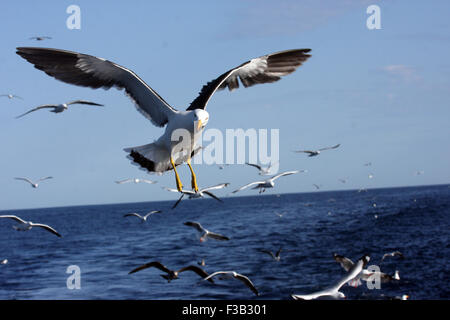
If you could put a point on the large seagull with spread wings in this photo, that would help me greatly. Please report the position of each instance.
(178, 143)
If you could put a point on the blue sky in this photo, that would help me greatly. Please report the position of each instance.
(383, 94)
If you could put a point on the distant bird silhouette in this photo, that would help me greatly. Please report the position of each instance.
(235, 275)
(10, 96)
(313, 153)
(143, 218)
(58, 108)
(393, 254)
(192, 194)
(171, 274)
(269, 183)
(40, 38)
(263, 171)
(33, 184)
(135, 180)
(204, 233)
(27, 225)
(275, 256)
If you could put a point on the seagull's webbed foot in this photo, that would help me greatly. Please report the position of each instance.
(194, 178)
(177, 177)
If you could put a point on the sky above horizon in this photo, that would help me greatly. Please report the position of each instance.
(382, 94)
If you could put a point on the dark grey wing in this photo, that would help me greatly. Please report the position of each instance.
(133, 214)
(84, 102)
(328, 148)
(202, 273)
(247, 282)
(46, 227)
(305, 151)
(277, 254)
(25, 179)
(212, 195)
(345, 263)
(45, 178)
(153, 264)
(270, 253)
(254, 165)
(195, 225)
(178, 201)
(35, 109)
(89, 71)
(265, 69)
(217, 236)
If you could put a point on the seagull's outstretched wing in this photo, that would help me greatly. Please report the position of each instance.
(254, 165)
(134, 214)
(212, 195)
(148, 181)
(305, 151)
(124, 181)
(16, 218)
(219, 186)
(328, 148)
(84, 102)
(152, 212)
(36, 109)
(202, 273)
(45, 178)
(154, 264)
(345, 263)
(287, 173)
(247, 282)
(89, 71)
(270, 253)
(195, 225)
(46, 227)
(265, 69)
(24, 179)
(248, 185)
(217, 236)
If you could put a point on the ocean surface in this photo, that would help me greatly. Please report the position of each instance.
(312, 226)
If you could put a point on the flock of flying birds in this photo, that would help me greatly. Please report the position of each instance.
(164, 154)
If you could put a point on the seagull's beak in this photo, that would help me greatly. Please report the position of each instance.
(199, 124)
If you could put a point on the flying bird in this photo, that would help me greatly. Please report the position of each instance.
(276, 256)
(58, 108)
(313, 153)
(135, 180)
(333, 291)
(33, 184)
(204, 233)
(4, 261)
(10, 96)
(27, 225)
(365, 274)
(263, 171)
(263, 185)
(393, 254)
(171, 274)
(235, 275)
(316, 186)
(143, 218)
(40, 38)
(192, 194)
(166, 152)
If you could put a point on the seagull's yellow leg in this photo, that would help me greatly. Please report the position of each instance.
(177, 177)
(194, 178)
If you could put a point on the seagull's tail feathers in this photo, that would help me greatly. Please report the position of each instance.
(154, 158)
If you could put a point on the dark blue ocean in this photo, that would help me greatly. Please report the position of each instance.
(313, 226)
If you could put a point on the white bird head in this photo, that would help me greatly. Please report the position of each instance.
(201, 118)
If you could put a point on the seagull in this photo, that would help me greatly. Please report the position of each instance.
(33, 184)
(263, 185)
(201, 263)
(171, 274)
(316, 186)
(58, 108)
(143, 218)
(168, 151)
(4, 261)
(313, 153)
(393, 254)
(365, 274)
(343, 180)
(262, 171)
(198, 194)
(333, 291)
(27, 225)
(10, 96)
(40, 38)
(370, 176)
(276, 256)
(204, 233)
(136, 180)
(279, 214)
(235, 275)
(418, 173)
(368, 164)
